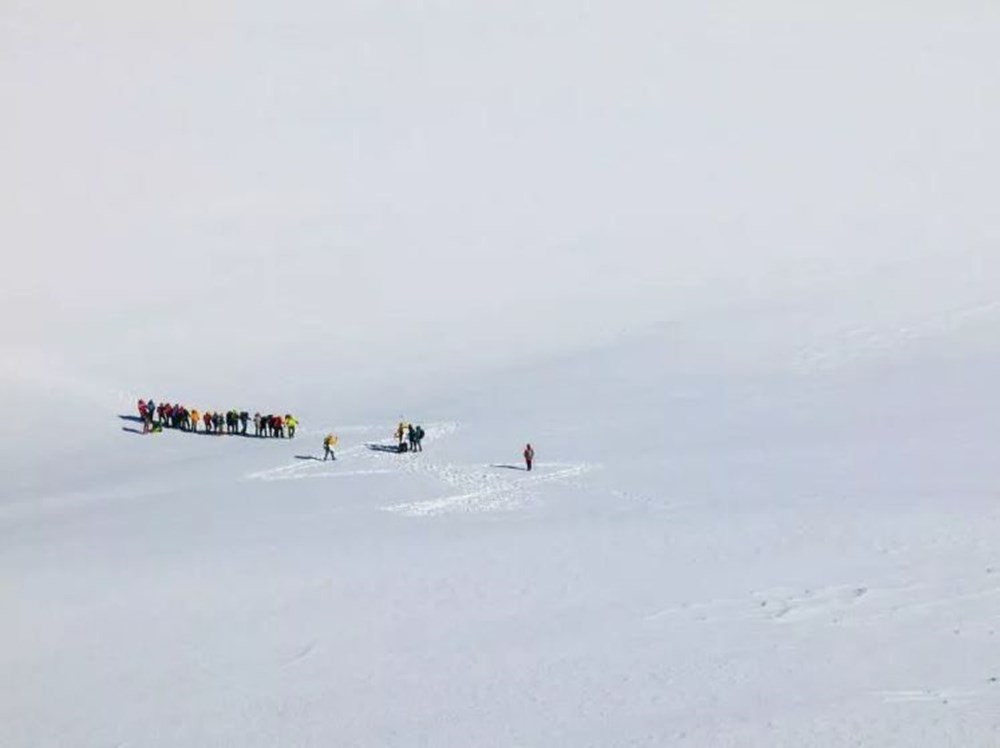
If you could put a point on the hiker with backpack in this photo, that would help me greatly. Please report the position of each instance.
(144, 415)
(329, 442)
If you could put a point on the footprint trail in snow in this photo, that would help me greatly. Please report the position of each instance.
(472, 487)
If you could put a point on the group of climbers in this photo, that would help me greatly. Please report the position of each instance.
(156, 417)
(274, 426)
(409, 437)
(165, 415)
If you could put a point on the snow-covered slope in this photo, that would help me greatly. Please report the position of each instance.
(783, 558)
(732, 270)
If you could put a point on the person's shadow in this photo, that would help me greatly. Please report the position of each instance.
(131, 430)
(308, 457)
(510, 467)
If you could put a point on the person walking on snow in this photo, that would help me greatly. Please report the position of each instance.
(328, 444)
(529, 457)
(144, 415)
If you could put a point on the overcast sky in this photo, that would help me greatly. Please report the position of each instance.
(346, 183)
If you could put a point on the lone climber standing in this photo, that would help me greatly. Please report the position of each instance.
(328, 444)
(529, 457)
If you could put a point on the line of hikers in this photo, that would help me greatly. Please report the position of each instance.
(156, 417)
(409, 438)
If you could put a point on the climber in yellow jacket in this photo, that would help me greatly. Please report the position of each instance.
(400, 434)
(328, 444)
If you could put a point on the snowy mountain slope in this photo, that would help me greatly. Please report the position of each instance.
(731, 268)
(787, 559)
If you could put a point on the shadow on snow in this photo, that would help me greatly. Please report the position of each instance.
(384, 448)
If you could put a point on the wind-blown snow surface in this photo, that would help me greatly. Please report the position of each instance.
(798, 558)
(732, 270)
